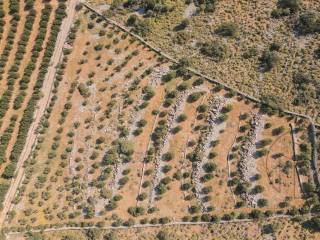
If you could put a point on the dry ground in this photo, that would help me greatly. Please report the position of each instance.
(97, 107)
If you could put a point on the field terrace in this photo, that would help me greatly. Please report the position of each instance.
(129, 137)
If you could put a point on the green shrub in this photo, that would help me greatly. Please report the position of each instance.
(182, 118)
(278, 131)
(148, 92)
(142, 196)
(228, 29)
(308, 23)
(132, 20)
(268, 60)
(166, 168)
(136, 211)
(218, 51)
(176, 129)
(194, 209)
(194, 97)
(161, 189)
(9, 171)
(162, 235)
(141, 123)
(209, 167)
(262, 202)
(313, 223)
(168, 156)
(198, 82)
(185, 186)
(202, 108)
(292, 5)
(227, 108)
(256, 214)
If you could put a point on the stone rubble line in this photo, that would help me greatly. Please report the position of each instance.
(155, 77)
(216, 104)
(247, 164)
(117, 170)
(177, 108)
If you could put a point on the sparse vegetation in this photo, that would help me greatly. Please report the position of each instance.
(123, 143)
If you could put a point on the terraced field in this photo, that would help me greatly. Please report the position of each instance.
(129, 137)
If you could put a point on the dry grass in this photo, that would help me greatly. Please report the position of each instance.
(256, 29)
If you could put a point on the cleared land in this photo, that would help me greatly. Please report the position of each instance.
(129, 137)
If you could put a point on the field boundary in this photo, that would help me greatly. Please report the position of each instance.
(192, 70)
(314, 154)
(178, 223)
(292, 131)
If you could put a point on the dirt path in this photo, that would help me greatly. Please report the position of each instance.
(32, 135)
(144, 226)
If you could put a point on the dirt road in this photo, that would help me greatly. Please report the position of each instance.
(47, 86)
(143, 226)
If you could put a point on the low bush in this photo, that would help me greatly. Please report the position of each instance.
(218, 51)
(228, 29)
(268, 60)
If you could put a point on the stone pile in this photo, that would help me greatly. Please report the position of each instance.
(247, 164)
(117, 171)
(157, 75)
(215, 106)
(176, 109)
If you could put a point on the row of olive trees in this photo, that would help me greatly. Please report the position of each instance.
(13, 75)
(27, 117)
(30, 163)
(2, 21)
(36, 49)
(5, 138)
(5, 100)
(15, 18)
(13, 71)
(14, 12)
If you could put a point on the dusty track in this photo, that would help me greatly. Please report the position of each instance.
(46, 90)
(280, 216)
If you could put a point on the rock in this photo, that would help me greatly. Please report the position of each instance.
(215, 106)
(176, 110)
(247, 164)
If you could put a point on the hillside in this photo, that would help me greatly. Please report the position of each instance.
(128, 134)
(102, 130)
(268, 49)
